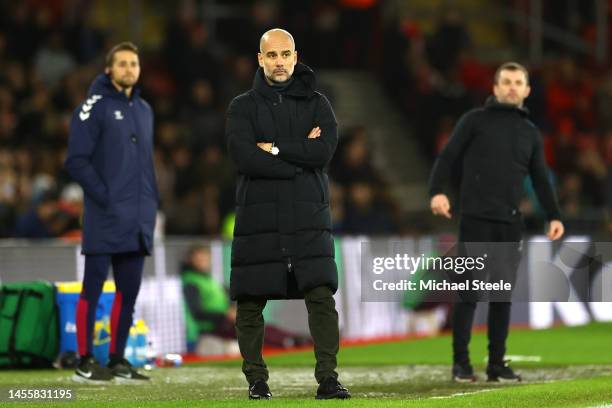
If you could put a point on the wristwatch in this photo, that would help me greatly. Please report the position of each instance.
(274, 150)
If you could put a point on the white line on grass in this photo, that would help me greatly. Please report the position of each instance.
(462, 394)
(522, 358)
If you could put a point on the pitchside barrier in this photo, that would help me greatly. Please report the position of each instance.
(397, 313)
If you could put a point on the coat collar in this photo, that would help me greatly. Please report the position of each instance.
(493, 103)
(303, 85)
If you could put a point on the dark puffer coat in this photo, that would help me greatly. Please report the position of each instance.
(282, 241)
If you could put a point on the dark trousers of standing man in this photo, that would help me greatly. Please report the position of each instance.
(323, 324)
(475, 230)
(127, 271)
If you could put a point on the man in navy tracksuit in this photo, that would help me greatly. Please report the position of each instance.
(110, 154)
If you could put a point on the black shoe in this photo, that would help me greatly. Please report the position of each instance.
(502, 372)
(123, 371)
(258, 390)
(463, 372)
(67, 359)
(89, 371)
(330, 388)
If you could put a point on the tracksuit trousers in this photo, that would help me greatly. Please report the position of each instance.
(127, 271)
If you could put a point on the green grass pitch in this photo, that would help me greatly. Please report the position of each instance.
(561, 367)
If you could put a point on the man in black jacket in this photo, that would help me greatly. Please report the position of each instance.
(499, 147)
(281, 136)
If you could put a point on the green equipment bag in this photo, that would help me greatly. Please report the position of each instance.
(29, 332)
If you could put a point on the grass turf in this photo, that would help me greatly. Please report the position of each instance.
(575, 371)
(589, 344)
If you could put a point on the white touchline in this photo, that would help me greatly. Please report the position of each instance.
(461, 394)
(517, 357)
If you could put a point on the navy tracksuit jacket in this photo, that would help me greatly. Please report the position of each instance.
(110, 154)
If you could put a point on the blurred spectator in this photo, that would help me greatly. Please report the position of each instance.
(366, 212)
(43, 219)
(242, 71)
(445, 45)
(352, 161)
(336, 204)
(213, 168)
(198, 62)
(321, 47)
(570, 195)
(263, 16)
(23, 35)
(52, 62)
(396, 40)
(84, 41)
(8, 117)
(204, 122)
(35, 118)
(593, 170)
(208, 309)
(8, 195)
(570, 96)
(603, 99)
(182, 162)
(165, 178)
(357, 50)
(177, 38)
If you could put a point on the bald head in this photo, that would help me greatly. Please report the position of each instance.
(277, 55)
(275, 35)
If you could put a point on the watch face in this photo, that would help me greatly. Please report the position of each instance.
(275, 150)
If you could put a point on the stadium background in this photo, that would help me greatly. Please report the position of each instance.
(399, 74)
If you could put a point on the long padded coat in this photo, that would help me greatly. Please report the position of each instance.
(110, 154)
(282, 243)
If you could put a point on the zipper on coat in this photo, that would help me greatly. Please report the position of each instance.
(280, 98)
(289, 265)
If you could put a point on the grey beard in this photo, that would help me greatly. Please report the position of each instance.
(278, 82)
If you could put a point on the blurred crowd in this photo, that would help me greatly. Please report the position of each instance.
(360, 199)
(49, 54)
(439, 77)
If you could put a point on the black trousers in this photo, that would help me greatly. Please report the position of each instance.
(504, 239)
(323, 324)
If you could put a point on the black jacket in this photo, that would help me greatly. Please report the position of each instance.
(282, 243)
(499, 146)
